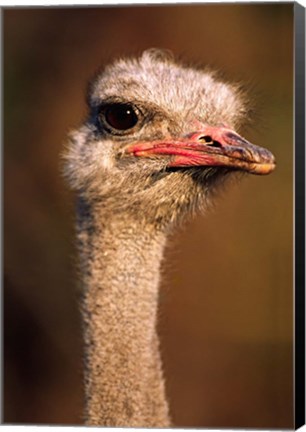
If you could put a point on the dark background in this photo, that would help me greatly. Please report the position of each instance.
(226, 297)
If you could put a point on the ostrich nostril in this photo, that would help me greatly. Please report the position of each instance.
(205, 138)
(209, 141)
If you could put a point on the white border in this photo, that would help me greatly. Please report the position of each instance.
(14, 428)
(59, 3)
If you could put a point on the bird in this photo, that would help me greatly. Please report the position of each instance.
(159, 141)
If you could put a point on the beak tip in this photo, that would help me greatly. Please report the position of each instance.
(263, 168)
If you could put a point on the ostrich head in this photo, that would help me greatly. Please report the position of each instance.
(158, 138)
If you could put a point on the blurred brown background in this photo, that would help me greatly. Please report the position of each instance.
(226, 300)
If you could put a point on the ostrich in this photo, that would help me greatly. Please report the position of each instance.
(159, 140)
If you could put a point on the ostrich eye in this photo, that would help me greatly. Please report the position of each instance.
(120, 116)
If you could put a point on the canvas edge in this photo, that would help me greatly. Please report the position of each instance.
(299, 226)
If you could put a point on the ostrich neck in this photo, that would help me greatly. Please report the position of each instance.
(120, 264)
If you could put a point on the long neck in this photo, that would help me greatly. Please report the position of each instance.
(120, 263)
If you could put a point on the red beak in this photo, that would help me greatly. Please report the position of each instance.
(212, 146)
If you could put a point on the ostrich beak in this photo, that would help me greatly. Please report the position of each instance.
(212, 146)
